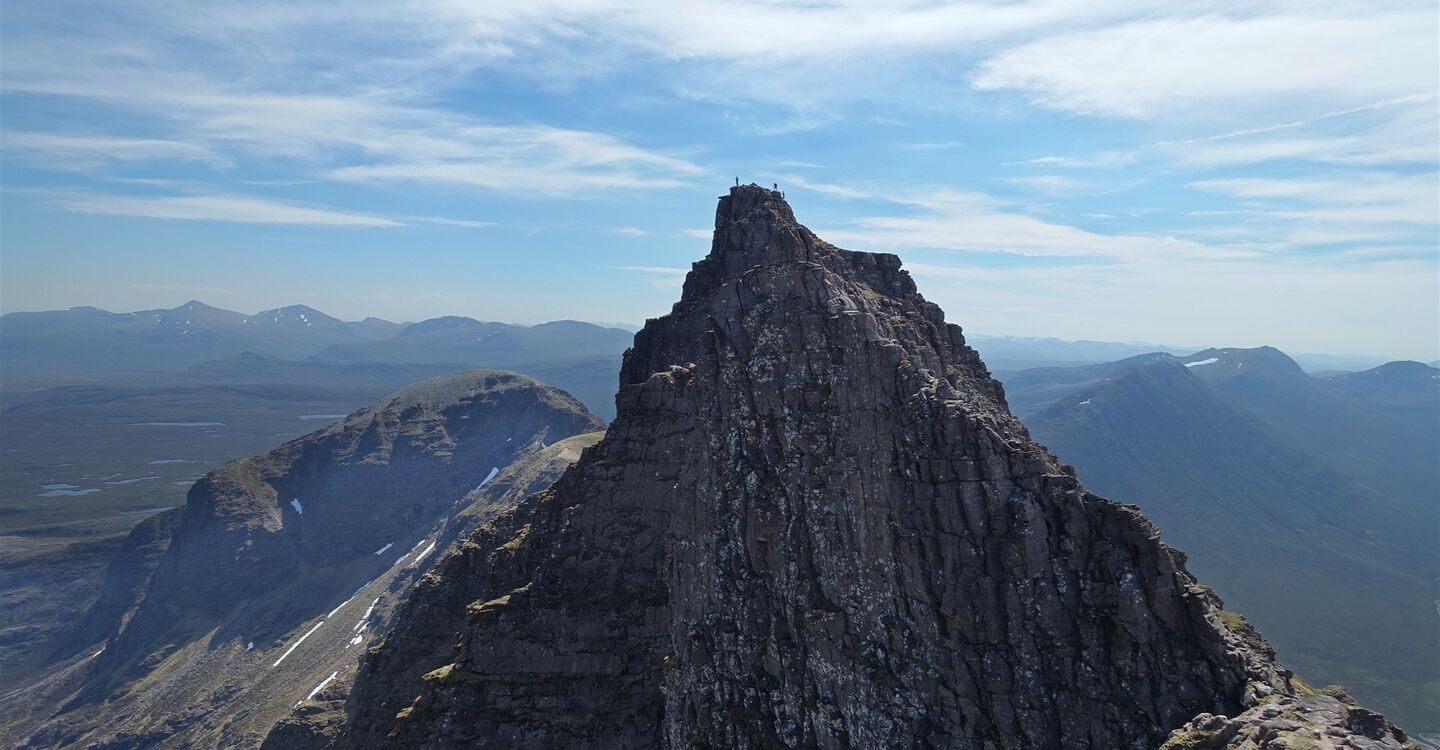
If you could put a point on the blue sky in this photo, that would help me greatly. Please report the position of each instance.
(1192, 173)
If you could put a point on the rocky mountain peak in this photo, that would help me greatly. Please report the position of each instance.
(760, 255)
(813, 523)
(751, 218)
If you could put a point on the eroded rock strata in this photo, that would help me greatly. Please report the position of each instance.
(815, 523)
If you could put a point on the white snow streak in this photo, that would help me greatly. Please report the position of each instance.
(360, 626)
(1209, 361)
(296, 644)
(322, 684)
(407, 554)
(347, 601)
(424, 554)
(381, 551)
(296, 502)
(493, 471)
(1082, 403)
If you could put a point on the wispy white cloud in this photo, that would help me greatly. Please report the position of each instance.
(341, 91)
(629, 231)
(748, 49)
(1407, 199)
(991, 229)
(1280, 235)
(968, 221)
(87, 151)
(228, 208)
(1050, 184)
(368, 92)
(1103, 159)
(1399, 101)
(1155, 66)
(660, 277)
(462, 223)
(826, 188)
(1397, 131)
(928, 145)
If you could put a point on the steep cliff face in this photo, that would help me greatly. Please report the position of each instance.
(230, 629)
(814, 522)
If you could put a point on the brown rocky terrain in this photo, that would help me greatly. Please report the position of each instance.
(214, 620)
(815, 523)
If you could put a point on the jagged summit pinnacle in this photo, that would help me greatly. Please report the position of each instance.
(746, 198)
(751, 218)
(759, 244)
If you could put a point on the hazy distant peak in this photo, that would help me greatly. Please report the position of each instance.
(1398, 371)
(568, 324)
(442, 323)
(1260, 356)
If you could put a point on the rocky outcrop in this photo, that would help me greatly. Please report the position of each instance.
(813, 523)
(231, 629)
(1328, 720)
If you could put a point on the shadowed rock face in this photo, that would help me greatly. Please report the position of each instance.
(814, 522)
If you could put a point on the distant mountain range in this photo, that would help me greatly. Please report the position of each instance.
(1309, 503)
(1013, 353)
(88, 339)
